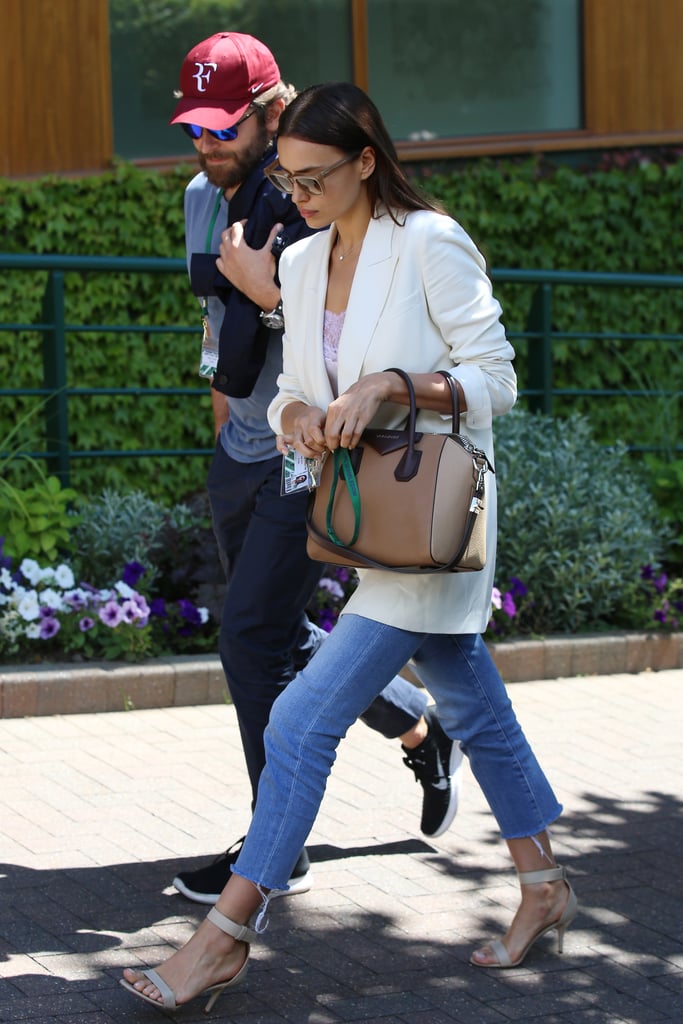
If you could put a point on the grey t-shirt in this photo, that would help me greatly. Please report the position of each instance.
(246, 437)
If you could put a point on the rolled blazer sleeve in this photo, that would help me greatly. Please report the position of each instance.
(461, 303)
(289, 388)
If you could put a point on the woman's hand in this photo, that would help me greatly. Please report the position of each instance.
(349, 415)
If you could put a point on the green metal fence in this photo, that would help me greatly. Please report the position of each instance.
(539, 334)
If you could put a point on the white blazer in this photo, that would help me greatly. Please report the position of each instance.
(420, 300)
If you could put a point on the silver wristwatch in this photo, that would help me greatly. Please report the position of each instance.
(274, 320)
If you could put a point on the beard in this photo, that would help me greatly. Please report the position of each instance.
(238, 166)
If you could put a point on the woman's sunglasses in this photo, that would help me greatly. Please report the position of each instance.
(222, 134)
(311, 183)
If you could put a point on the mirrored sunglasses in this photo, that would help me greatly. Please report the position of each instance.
(222, 134)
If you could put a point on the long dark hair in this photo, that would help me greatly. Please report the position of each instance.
(340, 114)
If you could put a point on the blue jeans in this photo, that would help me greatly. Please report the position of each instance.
(266, 636)
(316, 709)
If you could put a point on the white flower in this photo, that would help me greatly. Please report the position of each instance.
(33, 631)
(6, 579)
(203, 614)
(64, 577)
(124, 590)
(28, 606)
(496, 598)
(31, 571)
(51, 599)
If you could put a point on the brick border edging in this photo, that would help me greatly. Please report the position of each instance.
(176, 682)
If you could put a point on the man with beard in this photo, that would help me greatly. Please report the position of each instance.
(230, 103)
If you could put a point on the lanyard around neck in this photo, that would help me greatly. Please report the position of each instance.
(212, 223)
(204, 302)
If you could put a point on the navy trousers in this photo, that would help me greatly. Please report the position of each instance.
(265, 635)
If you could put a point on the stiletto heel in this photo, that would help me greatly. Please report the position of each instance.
(240, 932)
(498, 948)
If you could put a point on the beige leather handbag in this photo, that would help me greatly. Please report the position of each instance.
(403, 500)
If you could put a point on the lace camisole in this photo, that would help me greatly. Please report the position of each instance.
(332, 328)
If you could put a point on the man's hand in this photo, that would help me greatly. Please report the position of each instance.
(251, 271)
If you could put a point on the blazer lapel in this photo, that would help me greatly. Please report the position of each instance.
(371, 284)
(314, 292)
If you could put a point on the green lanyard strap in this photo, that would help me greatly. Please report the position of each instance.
(212, 224)
(342, 464)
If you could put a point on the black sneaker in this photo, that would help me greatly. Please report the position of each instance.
(206, 884)
(437, 764)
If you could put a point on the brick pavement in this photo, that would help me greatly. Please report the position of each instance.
(98, 811)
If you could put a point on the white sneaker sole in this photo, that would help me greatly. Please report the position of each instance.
(296, 885)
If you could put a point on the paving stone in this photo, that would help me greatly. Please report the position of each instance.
(99, 810)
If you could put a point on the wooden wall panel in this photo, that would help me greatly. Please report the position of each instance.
(633, 68)
(55, 67)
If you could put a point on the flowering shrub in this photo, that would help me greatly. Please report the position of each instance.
(334, 590)
(666, 595)
(44, 613)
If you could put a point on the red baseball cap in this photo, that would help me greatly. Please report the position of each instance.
(221, 76)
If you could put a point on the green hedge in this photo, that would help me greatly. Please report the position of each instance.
(523, 214)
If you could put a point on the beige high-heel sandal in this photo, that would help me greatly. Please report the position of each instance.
(497, 946)
(168, 1001)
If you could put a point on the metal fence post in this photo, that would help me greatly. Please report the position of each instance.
(54, 379)
(540, 350)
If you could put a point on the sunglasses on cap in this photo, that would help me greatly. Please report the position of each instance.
(311, 183)
(222, 134)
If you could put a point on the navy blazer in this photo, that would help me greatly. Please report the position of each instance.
(243, 338)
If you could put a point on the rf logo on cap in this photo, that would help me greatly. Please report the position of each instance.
(203, 74)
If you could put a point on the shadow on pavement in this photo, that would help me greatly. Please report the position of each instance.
(65, 934)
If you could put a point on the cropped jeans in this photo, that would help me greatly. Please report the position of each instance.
(314, 712)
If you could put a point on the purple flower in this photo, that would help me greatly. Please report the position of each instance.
(517, 588)
(86, 623)
(509, 606)
(660, 583)
(132, 573)
(332, 587)
(647, 572)
(49, 627)
(327, 619)
(342, 574)
(46, 612)
(189, 613)
(75, 600)
(660, 615)
(140, 603)
(130, 612)
(111, 614)
(158, 607)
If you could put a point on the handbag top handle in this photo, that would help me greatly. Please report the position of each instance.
(409, 464)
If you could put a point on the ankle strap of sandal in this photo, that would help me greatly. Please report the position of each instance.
(549, 875)
(238, 931)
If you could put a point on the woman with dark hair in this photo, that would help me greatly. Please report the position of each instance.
(393, 283)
